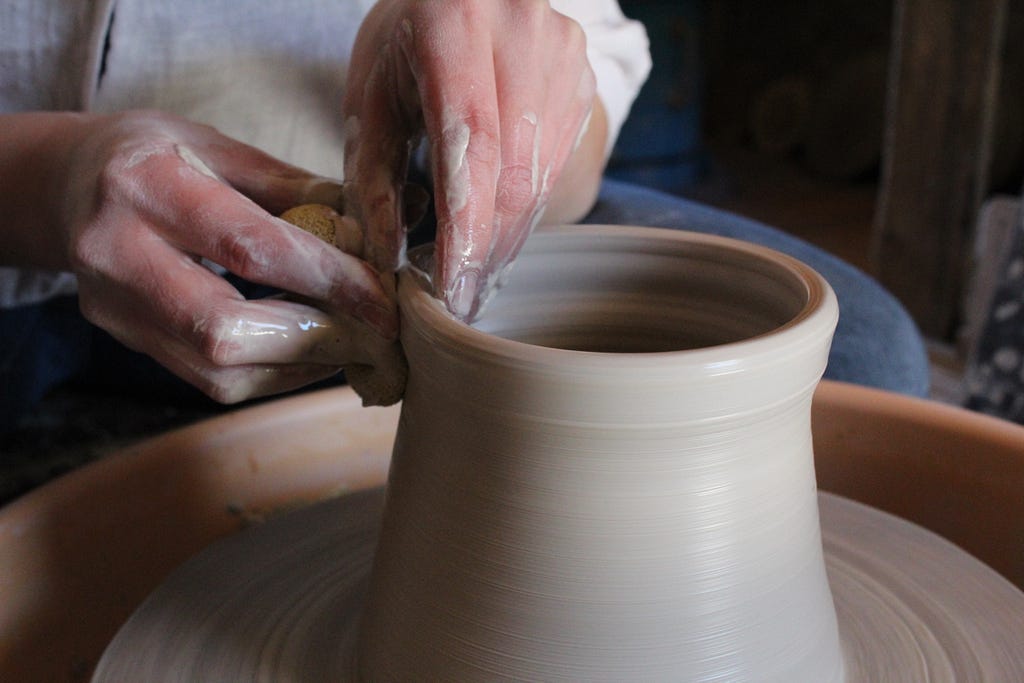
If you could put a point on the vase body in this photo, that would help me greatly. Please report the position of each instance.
(610, 476)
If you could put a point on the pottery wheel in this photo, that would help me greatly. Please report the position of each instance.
(280, 601)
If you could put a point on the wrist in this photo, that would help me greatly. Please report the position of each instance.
(36, 151)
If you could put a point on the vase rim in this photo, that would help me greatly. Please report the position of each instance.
(813, 323)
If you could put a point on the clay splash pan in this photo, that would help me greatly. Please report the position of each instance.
(80, 555)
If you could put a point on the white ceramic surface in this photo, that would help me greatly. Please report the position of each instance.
(610, 476)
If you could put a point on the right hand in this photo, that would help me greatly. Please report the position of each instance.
(503, 91)
(149, 195)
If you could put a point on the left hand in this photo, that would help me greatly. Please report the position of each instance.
(145, 196)
(503, 91)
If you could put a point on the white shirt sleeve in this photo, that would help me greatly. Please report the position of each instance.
(49, 52)
(48, 55)
(619, 53)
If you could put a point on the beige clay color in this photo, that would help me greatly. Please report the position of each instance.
(610, 476)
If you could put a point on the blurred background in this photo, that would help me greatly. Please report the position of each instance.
(889, 132)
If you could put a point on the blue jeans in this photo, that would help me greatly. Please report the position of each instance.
(876, 342)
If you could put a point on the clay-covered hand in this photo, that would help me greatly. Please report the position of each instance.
(152, 199)
(502, 90)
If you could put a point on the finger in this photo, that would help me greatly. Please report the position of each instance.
(275, 331)
(518, 211)
(204, 313)
(225, 384)
(126, 314)
(200, 215)
(273, 184)
(547, 97)
(379, 127)
(460, 114)
(239, 383)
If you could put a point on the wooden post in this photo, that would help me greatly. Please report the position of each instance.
(942, 89)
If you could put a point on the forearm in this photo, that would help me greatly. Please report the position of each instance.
(34, 157)
(576, 189)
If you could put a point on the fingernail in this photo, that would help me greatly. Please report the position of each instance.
(381, 319)
(462, 295)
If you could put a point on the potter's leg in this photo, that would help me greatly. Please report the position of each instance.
(41, 346)
(48, 345)
(876, 343)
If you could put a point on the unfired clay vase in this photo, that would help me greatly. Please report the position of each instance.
(279, 600)
(610, 476)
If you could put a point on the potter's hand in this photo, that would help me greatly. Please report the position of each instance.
(149, 195)
(503, 91)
